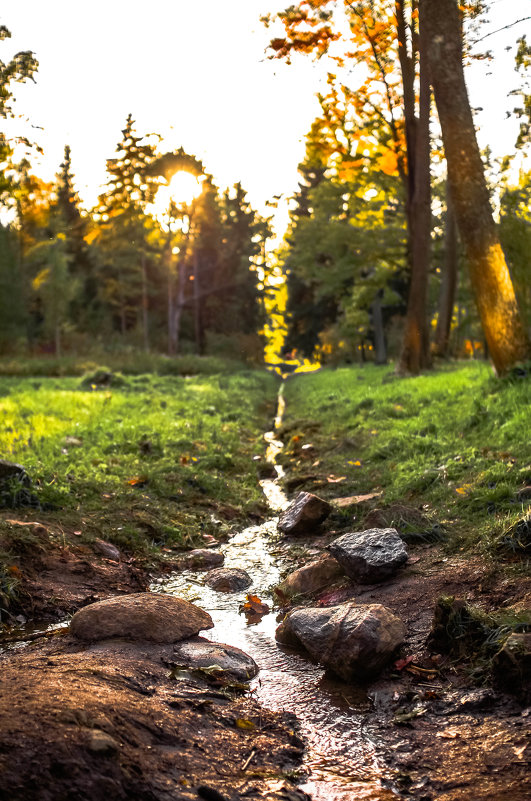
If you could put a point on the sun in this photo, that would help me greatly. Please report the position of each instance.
(183, 188)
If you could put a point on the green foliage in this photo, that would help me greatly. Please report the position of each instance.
(452, 442)
(515, 235)
(13, 312)
(523, 111)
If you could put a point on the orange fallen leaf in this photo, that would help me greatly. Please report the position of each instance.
(254, 604)
(138, 481)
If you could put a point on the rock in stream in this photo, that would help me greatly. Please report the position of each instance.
(355, 642)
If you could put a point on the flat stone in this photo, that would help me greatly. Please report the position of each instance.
(304, 514)
(107, 549)
(102, 743)
(228, 579)
(201, 559)
(355, 642)
(140, 616)
(311, 578)
(370, 556)
(201, 653)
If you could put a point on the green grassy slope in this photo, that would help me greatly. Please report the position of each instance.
(455, 442)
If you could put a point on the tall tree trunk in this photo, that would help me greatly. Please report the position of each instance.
(199, 329)
(380, 350)
(448, 281)
(179, 306)
(58, 351)
(490, 278)
(145, 305)
(415, 354)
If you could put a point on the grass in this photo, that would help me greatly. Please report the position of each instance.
(145, 462)
(454, 443)
(128, 361)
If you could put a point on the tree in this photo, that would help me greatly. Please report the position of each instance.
(74, 226)
(515, 236)
(385, 38)
(344, 248)
(124, 225)
(19, 69)
(523, 112)
(490, 278)
(449, 274)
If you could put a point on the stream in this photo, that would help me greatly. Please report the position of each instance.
(340, 759)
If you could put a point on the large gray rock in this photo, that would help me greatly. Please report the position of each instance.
(228, 579)
(370, 556)
(140, 616)
(304, 514)
(355, 642)
(311, 578)
(201, 653)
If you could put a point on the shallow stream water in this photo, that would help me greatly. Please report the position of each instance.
(340, 759)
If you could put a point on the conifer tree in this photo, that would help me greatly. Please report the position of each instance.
(123, 224)
(74, 226)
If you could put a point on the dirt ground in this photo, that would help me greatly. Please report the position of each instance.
(107, 721)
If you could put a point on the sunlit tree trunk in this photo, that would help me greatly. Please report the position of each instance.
(415, 354)
(490, 278)
(448, 281)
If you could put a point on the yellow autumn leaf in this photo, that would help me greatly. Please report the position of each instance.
(244, 724)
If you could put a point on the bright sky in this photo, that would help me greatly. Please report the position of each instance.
(195, 72)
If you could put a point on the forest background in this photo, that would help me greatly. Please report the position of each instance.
(372, 266)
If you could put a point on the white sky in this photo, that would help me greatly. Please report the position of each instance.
(195, 72)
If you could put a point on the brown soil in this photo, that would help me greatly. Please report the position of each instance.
(441, 734)
(106, 722)
(439, 737)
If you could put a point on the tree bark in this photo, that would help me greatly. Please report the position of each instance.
(145, 306)
(415, 354)
(448, 281)
(199, 329)
(490, 278)
(380, 350)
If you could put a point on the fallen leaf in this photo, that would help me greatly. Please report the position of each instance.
(336, 479)
(402, 663)
(255, 605)
(244, 724)
(138, 481)
(405, 717)
(449, 734)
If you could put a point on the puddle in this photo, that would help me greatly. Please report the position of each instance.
(340, 758)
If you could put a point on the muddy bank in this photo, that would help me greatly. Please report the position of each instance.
(107, 721)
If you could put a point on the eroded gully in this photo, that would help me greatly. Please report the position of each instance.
(340, 759)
